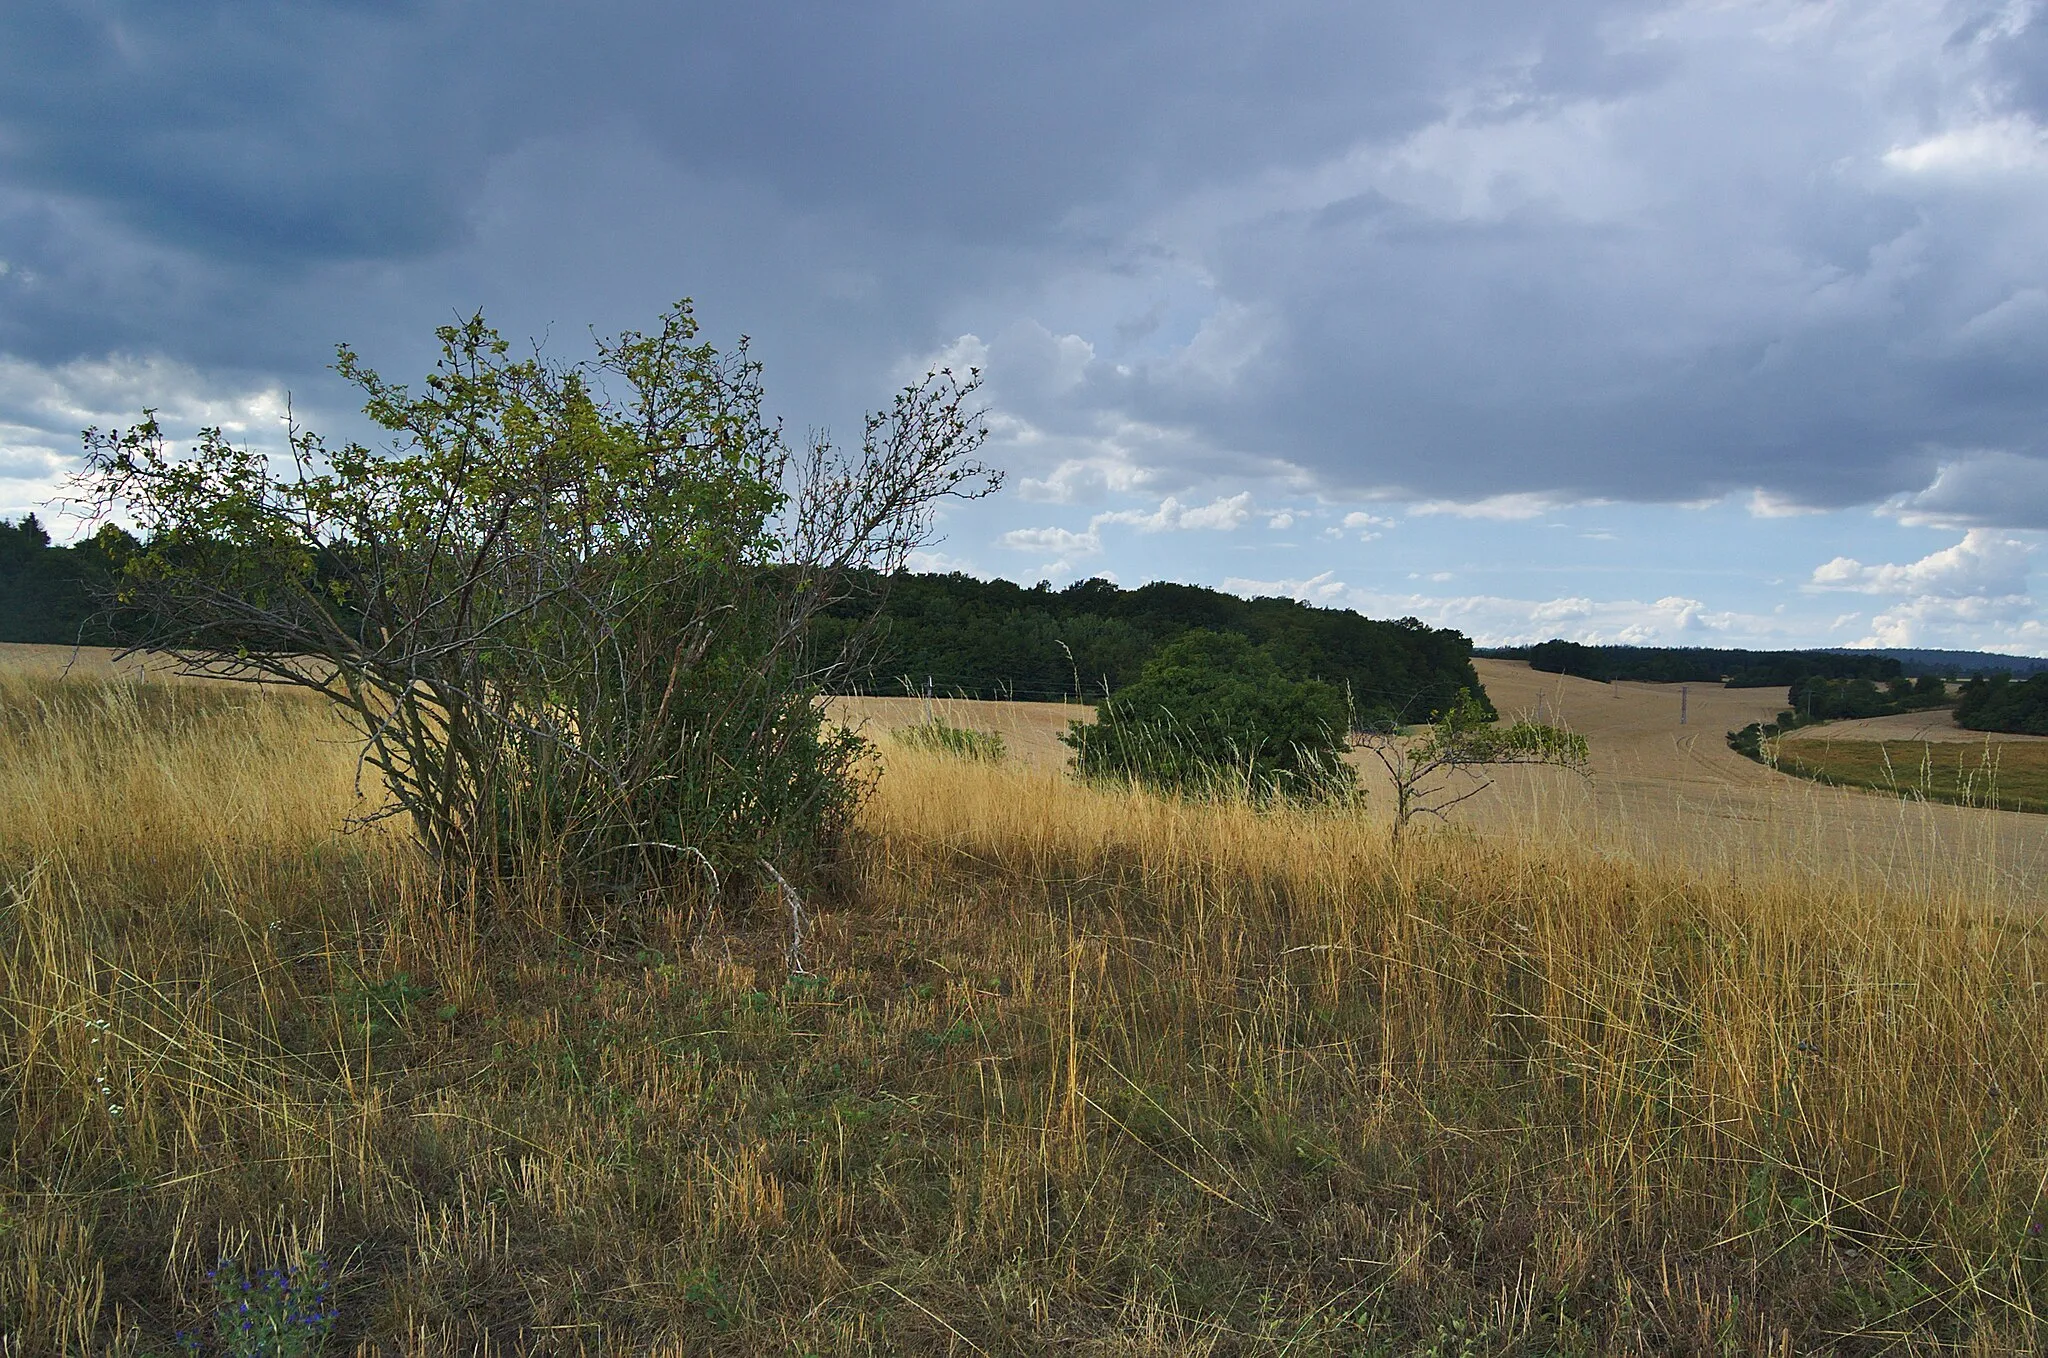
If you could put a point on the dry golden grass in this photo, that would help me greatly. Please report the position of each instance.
(1069, 1069)
(1031, 731)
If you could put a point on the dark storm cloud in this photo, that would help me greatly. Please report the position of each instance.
(1811, 264)
(239, 186)
(1473, 249)
(351, 131)
(262, 135)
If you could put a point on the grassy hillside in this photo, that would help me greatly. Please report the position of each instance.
(1065, 1069)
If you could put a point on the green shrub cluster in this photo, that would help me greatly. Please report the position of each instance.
(566, 607)
(1213, 715)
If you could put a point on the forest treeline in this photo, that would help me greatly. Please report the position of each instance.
(2001, 703)
(47, 592)
(1700, 665)
(953, 634)
(1814, 698)
(995, 639)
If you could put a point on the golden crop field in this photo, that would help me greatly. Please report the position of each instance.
(1645, 1065)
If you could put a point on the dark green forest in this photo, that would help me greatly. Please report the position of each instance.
(47, 592)
(1814, 697)
(1699, 664)
(2001, 703)
(951, 634)
(995, 639)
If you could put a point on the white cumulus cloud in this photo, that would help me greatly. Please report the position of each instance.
(1061, 541)
(1974, 594)
(1224, 514)
(1985, 563)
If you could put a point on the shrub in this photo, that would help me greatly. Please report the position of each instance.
(1445, 763)
(1213, 715)
(567, 608)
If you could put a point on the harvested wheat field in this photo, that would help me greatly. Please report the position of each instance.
(1054, 1068)
(1665, 791)
(1660, 790)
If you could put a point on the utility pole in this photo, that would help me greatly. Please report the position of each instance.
(1684, 690)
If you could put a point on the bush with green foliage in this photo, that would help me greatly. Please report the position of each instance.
(567, 607)
(1213, 715)
(1753, 741)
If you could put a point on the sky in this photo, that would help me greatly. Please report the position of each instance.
(1713, 323)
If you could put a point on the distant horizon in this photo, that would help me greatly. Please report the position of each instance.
(1481, 649)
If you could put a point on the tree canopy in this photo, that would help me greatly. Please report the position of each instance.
(996, 639)
(1212, 714)
(1700, 664)
(55, 595)
(2001, 703)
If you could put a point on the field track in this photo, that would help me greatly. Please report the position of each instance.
(1659, 789)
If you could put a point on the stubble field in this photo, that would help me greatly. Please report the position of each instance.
(1690, 1059)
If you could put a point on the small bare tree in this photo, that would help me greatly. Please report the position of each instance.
(1444, 763)
(567, 608)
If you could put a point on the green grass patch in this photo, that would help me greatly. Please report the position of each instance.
(2005, 775)
(940, 736)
